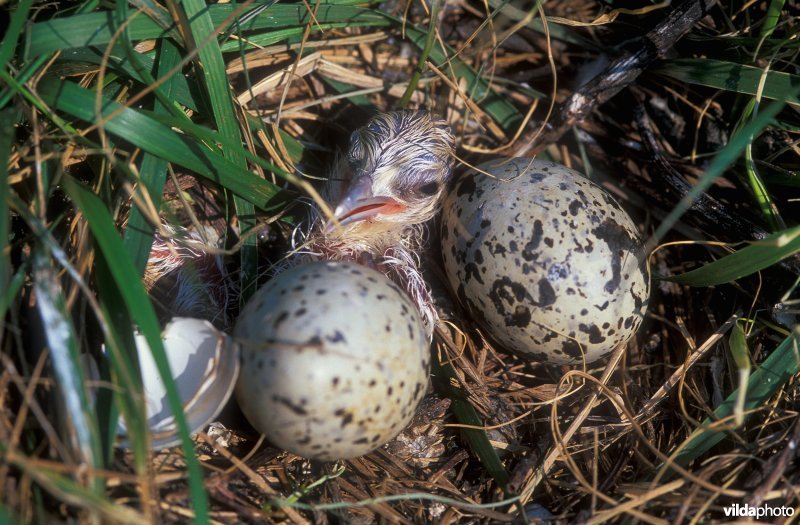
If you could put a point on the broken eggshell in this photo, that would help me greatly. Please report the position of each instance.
(204, 364)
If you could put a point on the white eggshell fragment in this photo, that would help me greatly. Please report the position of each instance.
(335, 360)
(545, 260)
(204, 365)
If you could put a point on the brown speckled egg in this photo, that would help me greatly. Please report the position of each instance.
(545, 260)
(335, 360)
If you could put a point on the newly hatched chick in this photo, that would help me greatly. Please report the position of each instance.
(389, 183)
(352, 379)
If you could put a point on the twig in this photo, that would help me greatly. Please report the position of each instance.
(623, 71)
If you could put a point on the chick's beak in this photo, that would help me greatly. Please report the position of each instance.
(359, 204)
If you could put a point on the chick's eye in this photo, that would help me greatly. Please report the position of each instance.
(429, 188)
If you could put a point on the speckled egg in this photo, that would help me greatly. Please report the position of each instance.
(335, 360)
(545, 260)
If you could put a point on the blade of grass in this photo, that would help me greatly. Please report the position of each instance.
(731, 76)
(9, 43)
(139, 232)
(36, 102)
(748, 260)
(122, 367)
(763, 199)
(444, 379)
(138, 304)
(295, 34)
(142, 65)
(96, 29)
(436, 5)
(128, 377)
(7, 119)
(183, 88)
(7, 516)
(409, 496)
(144, 132)
(159, 14)
(559, 31)
(768, 208)
(216, 82)
(771, 18)
(180, 89)
(28, 70)
(70, 380)
(18, 19)
(10, 292)
(741, 357)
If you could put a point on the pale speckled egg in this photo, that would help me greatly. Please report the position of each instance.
(545, 260)
(335, 360)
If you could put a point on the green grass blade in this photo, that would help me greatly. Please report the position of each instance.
(14, 285)
(738, 345)
(219, 93)
(129, 378)
(122, 368)
(183, 92)
(153, 171)
(159, 14)
(7, 120)
(97, 29)
(781, 365)
(748, 260)
(771, 18)
(281, 22)
(295, 34)
(23, 91)
(138, 236)
(436, 5)
(143, 67)
(13, 30)
(138, 304)
(153, 137)
(90, 29)
(763, 199)
(444, 378)
(731, 76)
(25, 73)
(65, 356)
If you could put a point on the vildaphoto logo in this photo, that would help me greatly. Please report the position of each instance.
(764, 511)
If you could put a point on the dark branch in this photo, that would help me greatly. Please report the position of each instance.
(623, 71)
